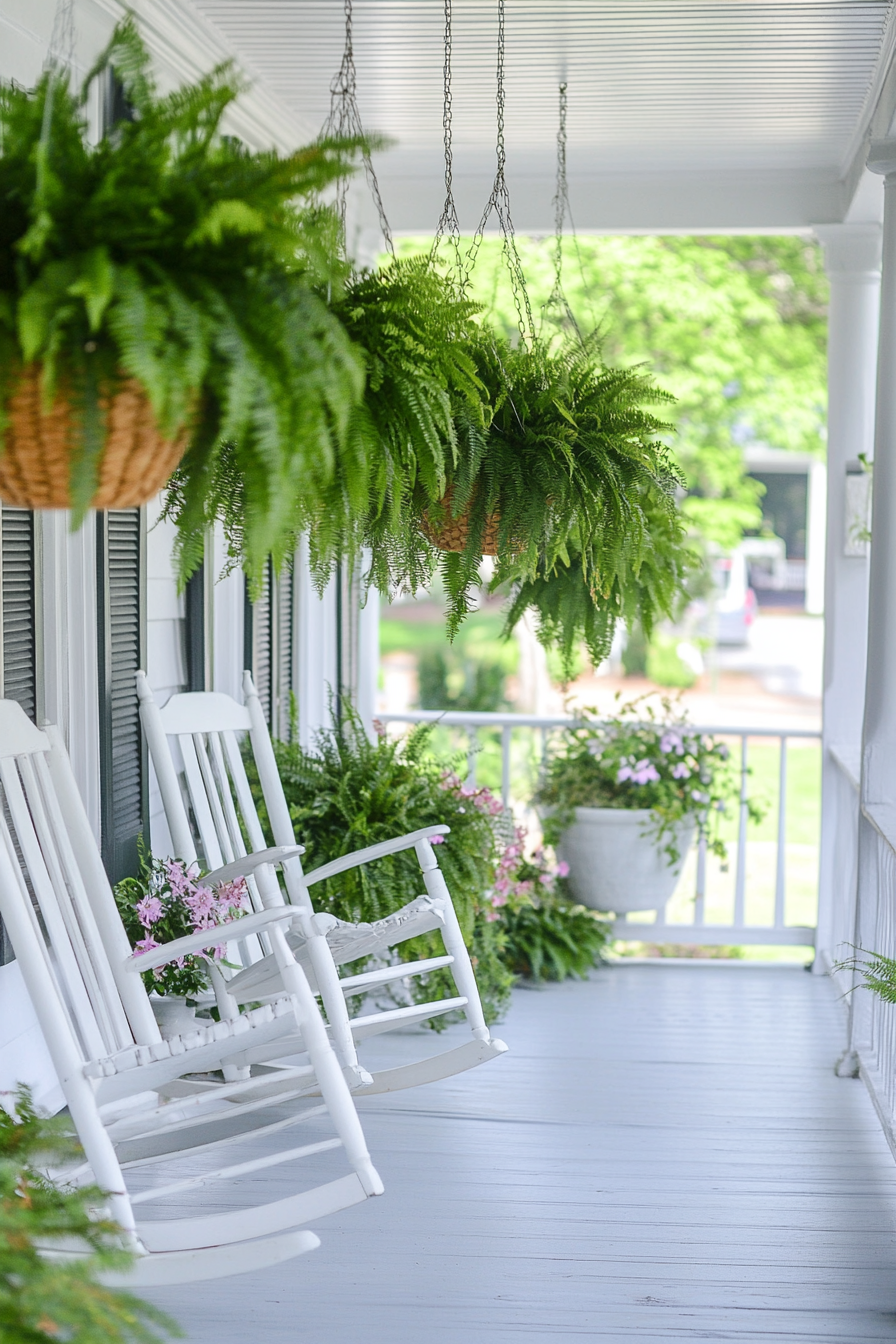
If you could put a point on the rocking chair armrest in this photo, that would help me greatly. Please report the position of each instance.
(247, 863)
(219, 933)
(371, 853)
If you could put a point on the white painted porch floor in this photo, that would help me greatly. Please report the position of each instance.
(665, 1155)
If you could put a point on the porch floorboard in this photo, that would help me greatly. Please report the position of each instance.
(666, 1154)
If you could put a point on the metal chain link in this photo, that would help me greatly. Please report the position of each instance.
(345, 121)
(448, 222)
(562, 208)
(61, 51)
(499, 202)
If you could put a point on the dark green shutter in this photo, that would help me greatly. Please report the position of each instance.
(268, 647)
(261, 624)
(284, 645)
(121, 625)
(18, 575)
(18, 624)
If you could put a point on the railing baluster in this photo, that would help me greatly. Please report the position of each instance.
(472, 744)
(700, 893)
(740, 883)
(505, 764)
(781, 874)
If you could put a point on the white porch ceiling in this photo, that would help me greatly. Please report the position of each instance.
(683, 114)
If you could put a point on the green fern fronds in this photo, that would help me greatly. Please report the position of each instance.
(170, 253)
(43, 1298)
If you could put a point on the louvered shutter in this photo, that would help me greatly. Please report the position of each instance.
(259, 653)
(195, 629)
(121, 624)
(18, 575)
(283, 649)
(269, 645)
(18, 624)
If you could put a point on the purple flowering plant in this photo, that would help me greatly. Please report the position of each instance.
(169, 900)
(646, 755)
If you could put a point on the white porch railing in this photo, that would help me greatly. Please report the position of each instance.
(697, 931)
(864, 916)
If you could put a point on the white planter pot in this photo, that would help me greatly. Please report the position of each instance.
(174, 1015)
(615, 863)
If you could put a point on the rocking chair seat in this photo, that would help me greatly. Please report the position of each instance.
(347, 942)
(245, 1030)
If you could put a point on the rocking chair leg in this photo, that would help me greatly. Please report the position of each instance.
(329, 1074)
(327, 977)
(462, 969)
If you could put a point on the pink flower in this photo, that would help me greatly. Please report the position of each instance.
(671, 741)
(178, 877)
(546, 879)
(502, 884)
(437, 839)
(498, 899)
(200, 902)
(147, 944)
(641, 773)
(681, 771)
(563, 868)
(491, 916)
(149, 909)
(524, 889)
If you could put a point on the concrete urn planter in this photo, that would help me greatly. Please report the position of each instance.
(174, 1015)
(614, 866)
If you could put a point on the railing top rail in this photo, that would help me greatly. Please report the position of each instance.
(485, 719)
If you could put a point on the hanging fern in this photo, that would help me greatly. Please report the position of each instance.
(414, 338)
(170, 253)
(644, 587)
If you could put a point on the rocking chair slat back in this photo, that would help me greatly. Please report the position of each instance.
(47, 877)
(214, 786)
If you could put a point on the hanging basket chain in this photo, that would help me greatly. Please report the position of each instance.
(344, 121)
(449, 224)
(562, 208)
(499, 202)
(61, 51)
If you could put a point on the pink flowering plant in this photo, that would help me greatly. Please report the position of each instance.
(546, 936)
(647, 755)
(170, 900)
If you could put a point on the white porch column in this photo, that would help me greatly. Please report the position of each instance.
(852, 261)
(879, 729)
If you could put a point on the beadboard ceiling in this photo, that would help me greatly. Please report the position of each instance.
(682, 113)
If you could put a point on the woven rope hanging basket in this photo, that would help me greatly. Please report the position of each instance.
(35, 463)
(452, 534)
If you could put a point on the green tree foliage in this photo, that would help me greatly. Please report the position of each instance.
(735, 328)
(42, 1298)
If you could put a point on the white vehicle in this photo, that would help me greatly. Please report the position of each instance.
(735, 603)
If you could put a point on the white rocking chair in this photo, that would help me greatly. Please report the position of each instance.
(204, 727)
(59, 912)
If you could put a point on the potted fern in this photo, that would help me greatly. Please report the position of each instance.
(570, 473)
(162, 292)
(412, 335)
